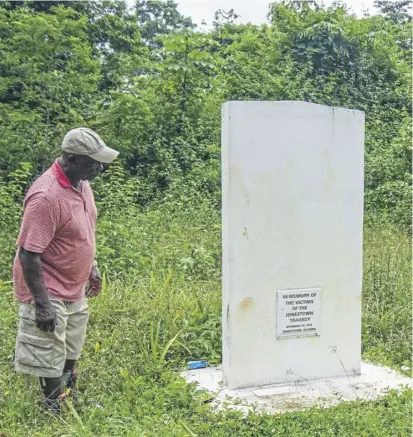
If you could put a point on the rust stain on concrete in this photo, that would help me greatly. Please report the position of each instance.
(246, 304)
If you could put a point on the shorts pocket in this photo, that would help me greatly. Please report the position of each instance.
(27, 311)
(34, 351)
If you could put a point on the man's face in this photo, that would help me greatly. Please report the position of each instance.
(85, 167)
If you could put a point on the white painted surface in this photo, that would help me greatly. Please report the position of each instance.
(292, 178)
(373, 382)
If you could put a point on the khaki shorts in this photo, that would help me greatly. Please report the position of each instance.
(43, 353)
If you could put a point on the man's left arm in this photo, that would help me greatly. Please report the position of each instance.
(95, 282)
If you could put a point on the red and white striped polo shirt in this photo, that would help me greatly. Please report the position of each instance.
(58, 222)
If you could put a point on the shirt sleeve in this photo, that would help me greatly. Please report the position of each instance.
(39, 224)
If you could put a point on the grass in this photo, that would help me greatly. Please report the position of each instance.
(387, 298)
(161, 306)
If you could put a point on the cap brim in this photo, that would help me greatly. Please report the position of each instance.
(106, 155)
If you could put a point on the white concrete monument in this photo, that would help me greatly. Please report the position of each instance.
(292, 242)
(292, 223)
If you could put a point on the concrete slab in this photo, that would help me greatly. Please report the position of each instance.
(373, 382)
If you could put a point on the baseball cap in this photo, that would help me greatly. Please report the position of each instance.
(84, 141)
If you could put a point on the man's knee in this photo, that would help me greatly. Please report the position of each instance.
(76, 330)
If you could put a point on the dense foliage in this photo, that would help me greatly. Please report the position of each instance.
(152, 84)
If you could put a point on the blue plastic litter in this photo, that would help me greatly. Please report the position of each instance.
(197, 364)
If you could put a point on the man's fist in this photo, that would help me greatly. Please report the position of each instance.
(45, 314)
(95, 283)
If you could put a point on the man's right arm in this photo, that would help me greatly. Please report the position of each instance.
(38, 228)
(33, 276)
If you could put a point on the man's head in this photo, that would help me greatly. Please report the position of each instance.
(84, 152)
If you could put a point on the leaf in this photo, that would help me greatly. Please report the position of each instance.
(186, 428)
(168, 346)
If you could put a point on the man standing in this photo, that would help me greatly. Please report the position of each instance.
(54, 268)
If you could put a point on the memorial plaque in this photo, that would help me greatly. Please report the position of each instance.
(298, 312)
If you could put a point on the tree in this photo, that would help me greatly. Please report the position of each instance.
(48, 82)
(116, 41)
(157, 18)
(153, 85)
(222, 17)
(398, 11)
(43, 6)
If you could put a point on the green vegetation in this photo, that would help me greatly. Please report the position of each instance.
(152, 85)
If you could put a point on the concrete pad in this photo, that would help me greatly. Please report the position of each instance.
(373, 382)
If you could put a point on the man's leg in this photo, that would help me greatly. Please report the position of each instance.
(75, 338)
(53, 393)
(70, 374)
(41, 353)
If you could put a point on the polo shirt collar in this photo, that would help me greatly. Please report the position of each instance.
(60, 175)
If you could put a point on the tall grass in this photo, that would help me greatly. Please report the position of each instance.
(161, 306)
(387, 297)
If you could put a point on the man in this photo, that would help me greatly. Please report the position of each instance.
(54, 268)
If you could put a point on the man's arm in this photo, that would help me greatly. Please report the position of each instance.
(95, 282)
(33, 275)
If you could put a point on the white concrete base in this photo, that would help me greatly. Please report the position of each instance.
(373, 382)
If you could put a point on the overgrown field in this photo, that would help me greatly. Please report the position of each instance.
(151, 83)
(164, 283)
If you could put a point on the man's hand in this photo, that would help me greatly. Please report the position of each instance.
(95, 283)
(45, 314)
